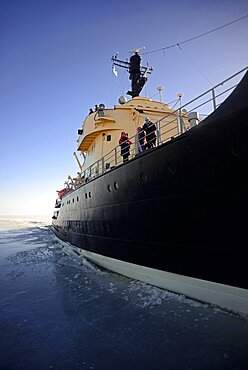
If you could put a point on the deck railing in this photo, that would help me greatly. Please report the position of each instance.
(170, 126)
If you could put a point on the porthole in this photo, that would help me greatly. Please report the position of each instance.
(73, 200)
(109, 187)
(116, 185)
(143, 177)
(89, 194)
(77, 199)
(86, 196)
(235, 150)
(171, 169)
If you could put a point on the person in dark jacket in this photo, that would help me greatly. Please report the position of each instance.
(125, 143)
(150, 129)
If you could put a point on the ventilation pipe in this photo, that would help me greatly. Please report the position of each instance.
(193, 118)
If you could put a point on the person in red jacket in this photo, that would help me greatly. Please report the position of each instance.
(125, 143)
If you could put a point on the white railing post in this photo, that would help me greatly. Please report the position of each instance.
(103, 166)
(214, 99)
(159, 141)
(180, 95)
(178, 123)
(136, 144)
(97, 169)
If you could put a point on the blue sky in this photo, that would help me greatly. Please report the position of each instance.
(55, 63)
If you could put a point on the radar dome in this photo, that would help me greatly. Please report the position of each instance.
(122, 100)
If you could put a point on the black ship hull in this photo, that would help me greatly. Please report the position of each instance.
(179, 208)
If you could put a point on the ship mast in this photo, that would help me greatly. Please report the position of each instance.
(137, 73)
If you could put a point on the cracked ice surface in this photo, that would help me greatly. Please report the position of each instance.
(83, 317)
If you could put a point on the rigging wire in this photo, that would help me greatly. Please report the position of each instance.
(120, 85)
(195, 37)
(177, 101)
(179, 46)
(150, 97)
(124, 84)
(198, 69)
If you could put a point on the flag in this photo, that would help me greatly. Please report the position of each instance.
(114, 71)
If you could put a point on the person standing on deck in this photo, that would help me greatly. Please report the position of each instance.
(141, 139)
(150, 128)
(125, 143)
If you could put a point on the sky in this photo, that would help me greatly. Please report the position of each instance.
(55, 63)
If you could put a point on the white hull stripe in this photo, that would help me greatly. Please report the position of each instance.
(231, 298)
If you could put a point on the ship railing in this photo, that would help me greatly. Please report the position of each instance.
(171, 125)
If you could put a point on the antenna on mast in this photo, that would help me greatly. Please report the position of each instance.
(137, 73)
(137, 50)
(160, 89)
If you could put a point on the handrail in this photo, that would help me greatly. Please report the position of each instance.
(219, 84)
(114, 158)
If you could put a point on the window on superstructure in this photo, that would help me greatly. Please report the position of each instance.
(108, 137)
